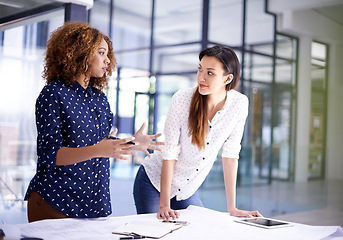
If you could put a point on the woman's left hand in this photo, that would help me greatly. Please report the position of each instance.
(146, 142)
(243, 213)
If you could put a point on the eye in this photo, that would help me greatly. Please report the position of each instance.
(102, 53)
(210, 73)
(199, 69)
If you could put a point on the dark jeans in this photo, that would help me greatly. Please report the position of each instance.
(147, 197)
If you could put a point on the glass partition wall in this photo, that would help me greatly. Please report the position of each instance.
(157, 45)
(21, 63)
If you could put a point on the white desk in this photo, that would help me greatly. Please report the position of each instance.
(205, 224)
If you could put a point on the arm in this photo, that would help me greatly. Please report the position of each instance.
(104, 148)
(167, 171)
(230, 166)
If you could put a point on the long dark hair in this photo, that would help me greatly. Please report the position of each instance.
(198, 119)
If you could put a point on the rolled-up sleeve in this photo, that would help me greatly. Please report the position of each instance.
(232, 145)
(172, 130)
(48, 122)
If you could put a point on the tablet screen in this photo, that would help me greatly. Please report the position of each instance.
(264, 222)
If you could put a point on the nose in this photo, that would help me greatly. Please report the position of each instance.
(107, 60)
(200, 76)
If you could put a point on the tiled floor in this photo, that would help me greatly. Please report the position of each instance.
(314, 202)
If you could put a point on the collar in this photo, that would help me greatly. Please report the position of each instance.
(78, 88)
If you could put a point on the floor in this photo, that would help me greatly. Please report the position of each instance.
(313, 203)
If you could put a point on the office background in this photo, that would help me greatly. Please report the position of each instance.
(291, 163)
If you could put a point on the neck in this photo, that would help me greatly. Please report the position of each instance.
(83, 81)
(215, 103)
(215, 100)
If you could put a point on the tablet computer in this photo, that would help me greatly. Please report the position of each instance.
(263, 222)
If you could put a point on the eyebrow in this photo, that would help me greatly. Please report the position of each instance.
(102, 48)
(208, 68)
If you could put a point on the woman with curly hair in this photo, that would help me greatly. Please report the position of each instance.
(74, 123)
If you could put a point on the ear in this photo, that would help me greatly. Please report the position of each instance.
(229, 78)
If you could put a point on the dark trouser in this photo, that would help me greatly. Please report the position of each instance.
(147, 197)
(39, 209)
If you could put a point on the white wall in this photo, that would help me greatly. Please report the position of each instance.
(335, 114)
(310, 26)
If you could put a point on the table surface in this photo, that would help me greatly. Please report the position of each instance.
(204, 224)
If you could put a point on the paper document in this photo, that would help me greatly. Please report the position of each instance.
(151, 229)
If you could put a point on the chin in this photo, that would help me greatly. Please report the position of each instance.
(202, 92)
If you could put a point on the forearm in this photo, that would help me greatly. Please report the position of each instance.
(68, 156)
(167, 172)
(230, 166)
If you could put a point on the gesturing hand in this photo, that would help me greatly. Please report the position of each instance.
(146, 141)
(117, 148)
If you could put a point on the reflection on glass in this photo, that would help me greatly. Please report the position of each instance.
(131, 24)
(259, 38)
(176, 60)
(177, 21)
(226, 29)
(318, 112)
(21, 63)
(258, 68)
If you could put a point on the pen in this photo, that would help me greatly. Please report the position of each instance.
(176, 221)
(133, 237)
(115, 138)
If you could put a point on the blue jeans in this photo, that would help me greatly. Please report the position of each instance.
(147, 197)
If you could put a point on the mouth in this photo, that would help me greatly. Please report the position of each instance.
(104, 69)
(202, 86)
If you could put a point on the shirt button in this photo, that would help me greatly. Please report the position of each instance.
(187, 179)
(208, 143)
(203, 158)
(179, 189)
(197, 169)
(210, 126)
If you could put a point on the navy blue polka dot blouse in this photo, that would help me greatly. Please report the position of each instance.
(71, 116)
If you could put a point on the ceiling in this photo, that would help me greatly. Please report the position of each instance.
(11, 7)
(332, 9)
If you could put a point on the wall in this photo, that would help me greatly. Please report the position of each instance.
(309, 26)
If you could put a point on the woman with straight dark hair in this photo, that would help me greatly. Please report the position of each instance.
(200, 121)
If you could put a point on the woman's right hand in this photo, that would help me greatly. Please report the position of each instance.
(116, 148)
(166, 213)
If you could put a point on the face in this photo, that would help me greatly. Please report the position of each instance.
(100, 61)
(210, 76)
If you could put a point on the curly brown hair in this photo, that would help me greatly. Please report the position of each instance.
(70, 51)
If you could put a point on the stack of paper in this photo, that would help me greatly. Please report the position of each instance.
(151, 229)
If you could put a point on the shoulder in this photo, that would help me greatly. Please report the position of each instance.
(54, 87)
(185, 93)
(238, 97)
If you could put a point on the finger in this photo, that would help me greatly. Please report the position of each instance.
(147, 153)
(128, 139)
(165, 216)
(157, 135)
(158, 143)
(257, 214)
(142, 127)
(154, 148)
(114, 132)
(177, 214)
(172, 214)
